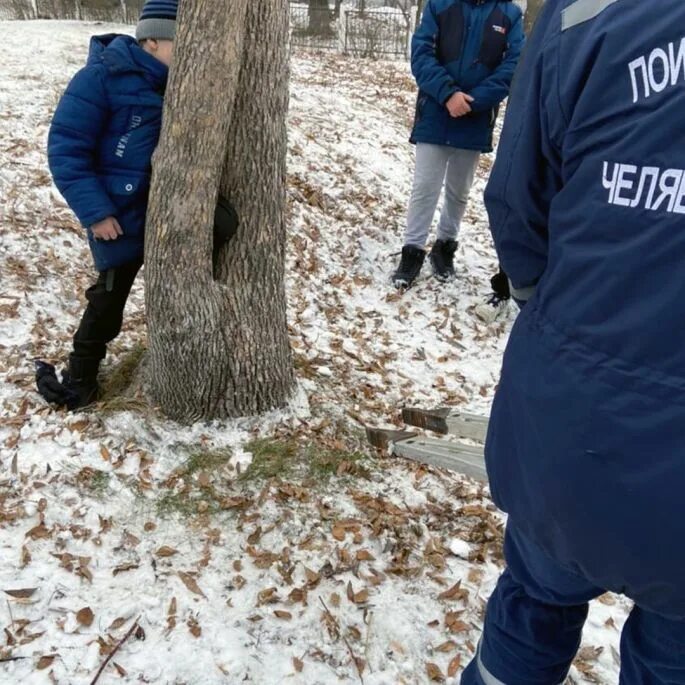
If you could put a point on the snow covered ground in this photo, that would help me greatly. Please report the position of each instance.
(264, 551)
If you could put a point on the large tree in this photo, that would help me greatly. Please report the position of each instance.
(218, 342)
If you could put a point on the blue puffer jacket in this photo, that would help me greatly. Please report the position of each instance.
(101, 141)
(464, 45)
(586, 449)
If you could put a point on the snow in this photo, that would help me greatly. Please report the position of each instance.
(87, 516)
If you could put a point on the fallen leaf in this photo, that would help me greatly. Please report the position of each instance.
(117, 623)
(24, 593)
(285, 615)
(298, 664)
(125, 567)
(104, 452)
(455, 592)
(120, 670)
(454, 666)
(191, 583)
(38, 532)
(166, 551)
(361, 597)
(46, 661)
(25, 556)
(365, 555)
(434, 673)
(85, 617)
(448, 646)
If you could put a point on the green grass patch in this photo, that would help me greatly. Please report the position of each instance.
(270, 459)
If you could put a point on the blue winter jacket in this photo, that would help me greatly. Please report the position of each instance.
(101, 141)
(464, 45)
(586, 448)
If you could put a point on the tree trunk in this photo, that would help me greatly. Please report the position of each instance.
(319, 17)
(219, 348)
(532, 11)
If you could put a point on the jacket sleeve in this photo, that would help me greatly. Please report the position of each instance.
(495, 88)
(527, 173)
(79, 120)
(431, 76)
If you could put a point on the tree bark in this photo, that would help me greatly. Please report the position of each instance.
(219, 348)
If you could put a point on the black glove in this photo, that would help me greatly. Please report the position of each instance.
(50, 387)
(225, 223)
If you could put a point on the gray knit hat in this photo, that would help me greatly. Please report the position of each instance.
(157, 20)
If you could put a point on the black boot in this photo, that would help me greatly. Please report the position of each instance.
(442, 259)
(410, 266)
(81, 381)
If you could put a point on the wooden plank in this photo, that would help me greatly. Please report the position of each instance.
(382, 438)
(454, 456)
(447, 421)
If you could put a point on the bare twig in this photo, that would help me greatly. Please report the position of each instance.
(347, 644)
(12, 658)
(115, 650)
(9, 608)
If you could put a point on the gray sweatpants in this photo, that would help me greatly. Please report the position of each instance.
(438, 165)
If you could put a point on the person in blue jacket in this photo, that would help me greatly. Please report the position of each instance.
(464, 54)
(103, 134)
(586, 444)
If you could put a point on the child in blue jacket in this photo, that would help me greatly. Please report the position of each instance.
(103, 134)
(464, 54)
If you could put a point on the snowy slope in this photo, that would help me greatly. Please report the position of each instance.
(111, 517)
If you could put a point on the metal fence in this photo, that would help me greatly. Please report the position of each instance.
(358, 32)
(376, 33)
(116, 11)
(313, 28)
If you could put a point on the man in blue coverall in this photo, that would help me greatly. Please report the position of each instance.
(586, 446)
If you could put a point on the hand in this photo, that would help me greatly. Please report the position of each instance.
(107, 229)
(459, 104)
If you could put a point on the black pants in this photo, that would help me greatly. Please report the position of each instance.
(500, 285)
(101, 322)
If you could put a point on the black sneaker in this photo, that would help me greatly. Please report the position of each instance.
(410, 266)
(80, 380)
(442, 259)
(491, 310)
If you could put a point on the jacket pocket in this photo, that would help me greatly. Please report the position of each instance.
(129, 194)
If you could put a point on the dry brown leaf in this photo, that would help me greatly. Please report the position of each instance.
(194, 627)
(25, 556)
(24, 593)
(267, 596)
(38, 532)
(335, 599)
(448, 646)
(85, 617)
(165, 551)
(285, 615)
(455, 592)
(191, 583)
(117, 623)
(129, 566)
(298, 664)
(361, 597)
(339, 533)
(434, 673)
(203, 479)
(104, 453)
(454, 666)
(120, 669)
(365, 555)
(45, 661)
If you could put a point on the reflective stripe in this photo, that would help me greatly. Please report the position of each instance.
(522, 294)
(582, 11)
(485, 675)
